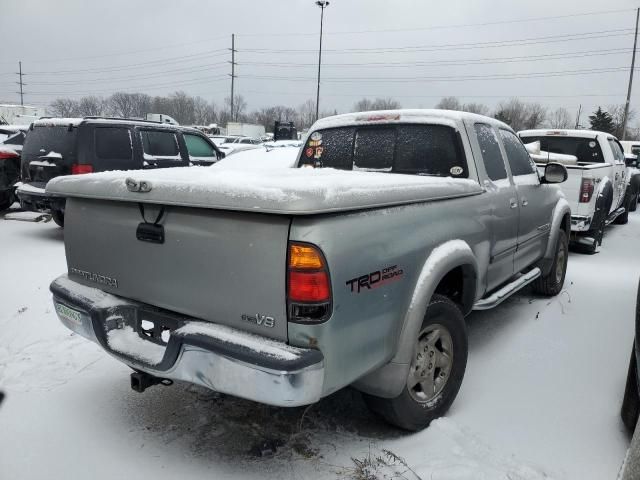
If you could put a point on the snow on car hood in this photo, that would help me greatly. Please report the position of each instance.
(279, 190)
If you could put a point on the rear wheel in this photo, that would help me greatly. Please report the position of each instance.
(634, 203)
(58, 217)
(630, 402)
(551, 283)
(435, 373)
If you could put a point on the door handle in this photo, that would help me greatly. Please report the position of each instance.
(525, 202)
(513, 202)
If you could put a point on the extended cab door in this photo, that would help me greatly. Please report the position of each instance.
(619, 172)
(535, 203)
(504, 211)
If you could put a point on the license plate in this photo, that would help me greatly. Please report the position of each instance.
(69, 314)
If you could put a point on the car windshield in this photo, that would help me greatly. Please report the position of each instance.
(586, 150)
(410, 149)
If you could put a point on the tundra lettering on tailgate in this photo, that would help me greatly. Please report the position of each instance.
(375, 279)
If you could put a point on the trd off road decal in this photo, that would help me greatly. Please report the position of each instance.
(375, 279)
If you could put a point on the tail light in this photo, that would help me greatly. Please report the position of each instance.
(79, 168)
(308, 284)
(6, 154)
(586, 190)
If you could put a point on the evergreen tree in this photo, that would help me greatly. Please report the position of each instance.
(602, 121)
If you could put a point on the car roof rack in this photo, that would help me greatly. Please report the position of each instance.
(126, 119)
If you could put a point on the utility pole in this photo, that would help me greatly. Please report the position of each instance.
(233, 71)
(20, 83)
(322, 4)
(578, 116)
(633, 61)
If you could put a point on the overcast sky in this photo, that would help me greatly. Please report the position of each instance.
(415, 51)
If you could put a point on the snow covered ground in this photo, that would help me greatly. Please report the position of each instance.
(540, 398)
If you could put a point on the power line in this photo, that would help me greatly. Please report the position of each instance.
(508, 76)
(458, 46)
(169, 60)
(439, 27)
(478, 61)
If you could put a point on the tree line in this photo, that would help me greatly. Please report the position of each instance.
(190, 110)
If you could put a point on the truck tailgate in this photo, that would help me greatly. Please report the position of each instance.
(221, 266)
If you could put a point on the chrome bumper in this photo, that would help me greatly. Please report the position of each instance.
(283, 376)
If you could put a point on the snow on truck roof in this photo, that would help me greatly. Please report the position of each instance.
(562, 132)
(75, 121)
(431, 116)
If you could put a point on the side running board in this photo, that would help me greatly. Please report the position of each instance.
(496, 298)
(613, 215)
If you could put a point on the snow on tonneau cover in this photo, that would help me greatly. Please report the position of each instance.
(224, 252)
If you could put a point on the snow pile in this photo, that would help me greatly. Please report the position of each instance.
(261, 158)
(7, 151)
(277, 190)
(57, 122)
(252, 342)
(127, 342)
(545, 157)
(27, 188)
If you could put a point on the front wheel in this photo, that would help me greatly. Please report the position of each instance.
(435, 373)
(551, 283)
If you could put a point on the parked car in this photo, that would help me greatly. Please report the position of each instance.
(11, 140)
(597, 185)
(282, 286)
(630, 410)
(72, 146)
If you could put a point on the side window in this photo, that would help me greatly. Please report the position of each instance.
(517, 155)
(159, 144)
(198, 146)
(113, 143)
(491, 154)
(617, 151)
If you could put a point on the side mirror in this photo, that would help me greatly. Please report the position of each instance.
(554, 173)
(631, 162)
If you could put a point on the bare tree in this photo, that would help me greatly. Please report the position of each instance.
(306, 114)
(64, 107)
(204, 112)
(560, 118)
(535, 114)
(91, 106)
(378, 104)
(513, 112)
(617, 115)
(478, 108)
(239, 108)
(449, 103)
(129, 105)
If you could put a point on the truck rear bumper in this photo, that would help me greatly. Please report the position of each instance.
(32, 197)
(580, 223)
(175, 347)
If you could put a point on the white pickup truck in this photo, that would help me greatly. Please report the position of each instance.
(597, 186)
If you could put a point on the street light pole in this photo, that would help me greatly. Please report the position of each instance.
(322, 4)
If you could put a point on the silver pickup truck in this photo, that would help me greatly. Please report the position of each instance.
(285, 285)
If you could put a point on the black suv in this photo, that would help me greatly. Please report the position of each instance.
(71, 146)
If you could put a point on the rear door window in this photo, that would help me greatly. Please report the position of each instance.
(113, 143)
(417, 149)
(517, 156)
(198, 146)
(586, 150)
(159, 144)
(491, 153)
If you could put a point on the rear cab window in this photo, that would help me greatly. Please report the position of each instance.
(413, 149)
(586, 150)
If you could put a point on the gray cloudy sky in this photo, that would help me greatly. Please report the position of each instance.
(413, 50)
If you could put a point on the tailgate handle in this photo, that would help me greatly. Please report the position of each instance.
(150, 232)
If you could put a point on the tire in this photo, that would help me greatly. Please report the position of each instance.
(623, 218)
(6, 200)
(58, 217)
(630, 402)
(443, 338)
(634, 203)
(551, 284)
